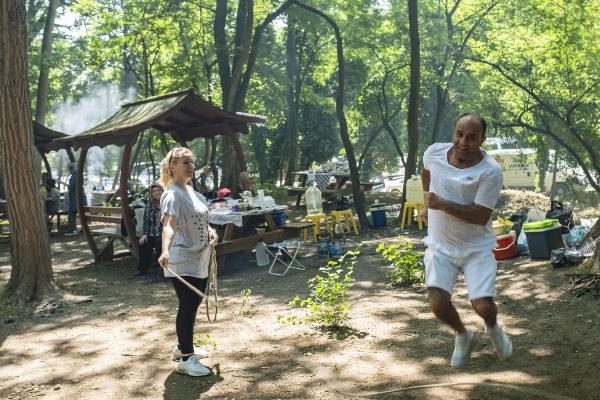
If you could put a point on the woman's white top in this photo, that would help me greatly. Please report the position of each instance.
(189, 254)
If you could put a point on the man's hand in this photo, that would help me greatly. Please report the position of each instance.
(424, 215)
(143, 239)
(433, 201)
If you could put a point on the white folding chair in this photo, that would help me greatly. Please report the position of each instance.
(280, 250)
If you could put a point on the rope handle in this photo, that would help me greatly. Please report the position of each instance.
(509, 246)
(212, 282)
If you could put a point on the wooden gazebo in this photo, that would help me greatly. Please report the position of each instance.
(184, 115)
(46, 140)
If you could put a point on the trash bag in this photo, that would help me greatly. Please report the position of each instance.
(341, 203)
(518, 220)
(558, 258)
(522, 246)
(535, 215)
(562, 213)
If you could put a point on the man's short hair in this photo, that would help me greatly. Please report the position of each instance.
(482, 120)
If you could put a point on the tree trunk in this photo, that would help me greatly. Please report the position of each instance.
(412, 118)
(595, 235)
(292, 75)
(31, 274)
(359, 201)
(41, 104)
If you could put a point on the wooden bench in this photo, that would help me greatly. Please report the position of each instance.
(107, 215)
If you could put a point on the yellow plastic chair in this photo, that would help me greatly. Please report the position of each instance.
(316, 220)
(409, 208)
(347, 217)
(414, 201)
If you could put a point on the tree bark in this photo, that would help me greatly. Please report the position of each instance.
(359, 201)
(31, 274)
(412, 118)
(292, 111)
(41, 104)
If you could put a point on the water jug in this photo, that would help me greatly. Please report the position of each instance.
(262, 257)
(314, 202)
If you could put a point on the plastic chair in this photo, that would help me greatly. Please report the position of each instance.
(280, 250)
(316, 220)
(409, 208)
(347, 217)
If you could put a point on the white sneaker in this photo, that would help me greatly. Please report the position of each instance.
(192, 367)
(501, 341)
(198, 352)
(463, 345)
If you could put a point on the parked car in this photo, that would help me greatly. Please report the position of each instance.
(388, 182)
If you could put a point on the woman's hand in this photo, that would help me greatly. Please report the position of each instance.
(213, 237)
(163, 260)
(143, 239)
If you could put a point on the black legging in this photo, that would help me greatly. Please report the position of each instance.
(149, 252)
(186, 314)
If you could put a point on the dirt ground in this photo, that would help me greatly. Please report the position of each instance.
(113, 337)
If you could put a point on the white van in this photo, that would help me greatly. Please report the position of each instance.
(518, 165)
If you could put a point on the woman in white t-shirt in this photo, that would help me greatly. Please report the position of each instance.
(186, 239)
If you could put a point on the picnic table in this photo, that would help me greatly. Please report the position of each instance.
(329, 192)
(237, 229)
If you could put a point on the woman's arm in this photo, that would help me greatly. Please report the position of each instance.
(168, 232)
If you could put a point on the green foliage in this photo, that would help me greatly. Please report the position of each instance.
(246, 306)
(203, 340)
(407, 264)
(327, 305)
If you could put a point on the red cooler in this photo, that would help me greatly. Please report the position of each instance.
(507, 246)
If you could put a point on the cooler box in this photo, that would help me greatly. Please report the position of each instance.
(378, 216)
(507, 246)
(543, 237)
(279, 218)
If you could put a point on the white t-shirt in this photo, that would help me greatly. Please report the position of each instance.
(479, 184)
(189, 254)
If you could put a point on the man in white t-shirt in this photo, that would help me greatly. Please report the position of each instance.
(462, 185)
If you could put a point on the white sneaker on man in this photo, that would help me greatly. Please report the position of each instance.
(192, 367)
(198, 352)
(463, 345)
(501, 341)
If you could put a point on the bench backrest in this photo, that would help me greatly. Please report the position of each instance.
(104, 214)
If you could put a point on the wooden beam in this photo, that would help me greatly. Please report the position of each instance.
(80, 206)
(125, 200)
(70, 154)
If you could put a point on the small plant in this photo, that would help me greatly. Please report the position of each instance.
(407, 267)
(200, 340)
(246, 307)
(327, 304)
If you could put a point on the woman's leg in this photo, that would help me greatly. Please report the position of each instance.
(186, 314)
(145, 256)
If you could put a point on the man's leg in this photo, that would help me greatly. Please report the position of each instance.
(486, 308)
(439, 301)
(480, 276)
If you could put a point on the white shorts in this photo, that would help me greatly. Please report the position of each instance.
(479, 269)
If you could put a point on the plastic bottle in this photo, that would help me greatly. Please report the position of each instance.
(262, 257)
(313, 199)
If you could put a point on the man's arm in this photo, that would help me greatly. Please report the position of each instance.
(473, 214)
(425, 179)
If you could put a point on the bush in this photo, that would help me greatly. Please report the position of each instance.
(327, 304)
(407, 267)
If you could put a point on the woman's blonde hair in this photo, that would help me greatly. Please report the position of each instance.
(166, 175)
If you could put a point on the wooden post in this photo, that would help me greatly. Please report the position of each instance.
(80, 206)
(46, 164)
(70, 154)
(125, 201)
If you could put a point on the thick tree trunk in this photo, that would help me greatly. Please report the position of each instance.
(41, 104)
(292, 75)
(31, 274)
(359, 201)
(412, 119)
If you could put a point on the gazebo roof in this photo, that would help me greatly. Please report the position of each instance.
(183, 114)
(45, 139)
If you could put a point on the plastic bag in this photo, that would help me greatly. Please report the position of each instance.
(522, 246)
(535, 215)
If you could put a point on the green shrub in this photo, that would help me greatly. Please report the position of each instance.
(327, 304)
(407, 267)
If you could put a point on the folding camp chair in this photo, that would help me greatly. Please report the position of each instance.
(280, 251)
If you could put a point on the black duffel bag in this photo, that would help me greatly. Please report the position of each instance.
(562, 213)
